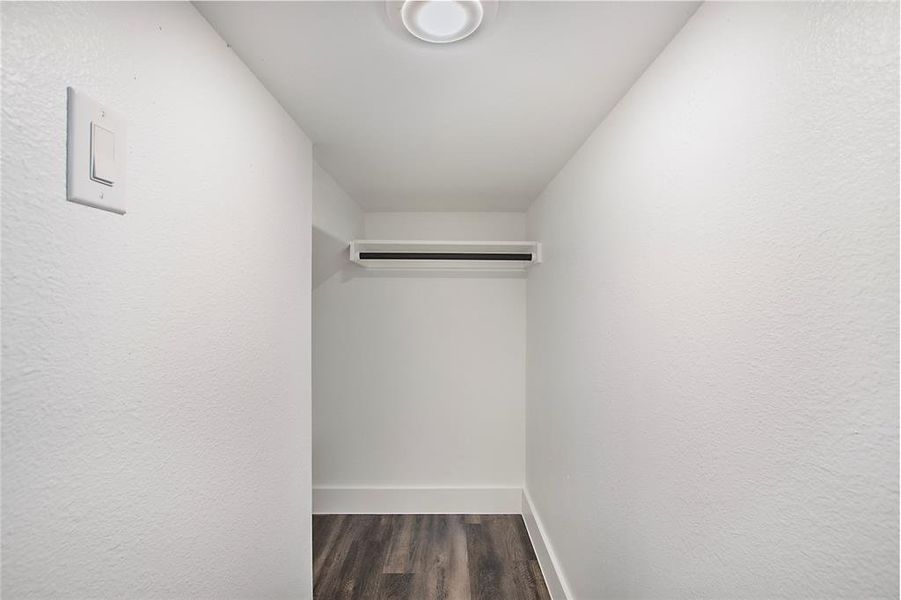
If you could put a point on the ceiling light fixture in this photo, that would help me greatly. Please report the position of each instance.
(441, 21)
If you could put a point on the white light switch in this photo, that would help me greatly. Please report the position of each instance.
(103, 154)
(96, 146)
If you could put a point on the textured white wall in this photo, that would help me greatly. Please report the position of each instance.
(156, 410)
(419, 377)
(713, 336)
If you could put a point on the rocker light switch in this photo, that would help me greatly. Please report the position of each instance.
(103, 155)
(96, 149)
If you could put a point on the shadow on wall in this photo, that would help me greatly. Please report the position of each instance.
(330, 255)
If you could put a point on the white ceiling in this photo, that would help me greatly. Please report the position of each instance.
(482, 124)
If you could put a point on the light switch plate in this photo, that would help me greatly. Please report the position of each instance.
(83, 185)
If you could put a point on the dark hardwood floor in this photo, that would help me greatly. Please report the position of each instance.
(424, 557)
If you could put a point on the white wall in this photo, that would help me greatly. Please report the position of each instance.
(337, 219)
(713, 336)
(156, 410)
(419, 376)
(502, 226)
(334, 211)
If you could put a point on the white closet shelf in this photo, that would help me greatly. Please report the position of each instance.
(431, 254)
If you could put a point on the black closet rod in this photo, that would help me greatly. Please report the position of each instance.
(527, 256)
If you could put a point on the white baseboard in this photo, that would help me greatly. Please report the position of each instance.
(550, 567)
(346, 500)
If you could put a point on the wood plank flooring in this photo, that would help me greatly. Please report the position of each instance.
(424, 557)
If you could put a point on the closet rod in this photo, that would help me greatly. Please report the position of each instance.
(444, 256)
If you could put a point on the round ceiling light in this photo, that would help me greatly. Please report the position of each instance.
(441, 21)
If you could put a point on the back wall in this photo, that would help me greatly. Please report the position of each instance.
(418, 376)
